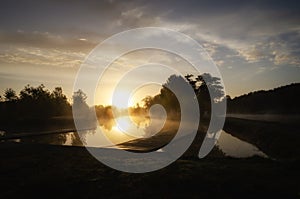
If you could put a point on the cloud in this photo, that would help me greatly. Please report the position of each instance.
(42, 57)
(137, 17)
(228, 30)
(277, 49)
(244, 38)
(43, 48)
(44, 40)
(252, 54)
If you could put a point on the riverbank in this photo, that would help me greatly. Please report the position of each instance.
(60, 171)
(18, 126)
(279, 140)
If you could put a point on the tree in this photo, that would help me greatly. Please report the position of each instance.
(60, 102)
(35, 102)
(205, 87)
(206, 84)
(147, 102)
(57, 93)
(34, 93)
(79, 103)
(167, 98)
(10, 95)
(79, 97)
(84, 116)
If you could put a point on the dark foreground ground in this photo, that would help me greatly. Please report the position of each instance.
(28, 170)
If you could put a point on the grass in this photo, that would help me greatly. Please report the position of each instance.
(28, 170)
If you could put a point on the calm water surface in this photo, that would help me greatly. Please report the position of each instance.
(111, 134)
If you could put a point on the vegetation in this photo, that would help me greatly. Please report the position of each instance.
(39, 102)
(24, 165)
(282, 100)
(37, 107)
(201, 85)
(34, 102)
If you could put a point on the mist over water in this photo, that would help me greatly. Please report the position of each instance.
(110, 135)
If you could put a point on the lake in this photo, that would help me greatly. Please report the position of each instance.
(112, 133)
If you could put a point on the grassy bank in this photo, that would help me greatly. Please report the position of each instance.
(37, 124)
(277, 139)
(59, 171)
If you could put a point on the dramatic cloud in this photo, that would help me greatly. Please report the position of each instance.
(246, 39)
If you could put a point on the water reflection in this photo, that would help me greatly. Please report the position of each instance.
(56, 139)
(110, 133)
(235, 147)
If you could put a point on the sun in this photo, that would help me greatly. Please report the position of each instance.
(121, 99)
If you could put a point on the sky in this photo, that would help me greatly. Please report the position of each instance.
(255, 44)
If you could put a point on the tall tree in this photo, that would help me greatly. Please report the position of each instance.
(79, 97)
(60, 102)
(79, 103)
(205, 87)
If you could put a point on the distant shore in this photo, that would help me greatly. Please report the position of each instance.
(283, 118)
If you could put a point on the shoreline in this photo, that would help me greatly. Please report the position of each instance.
(281, 118)
(66, 171)
(275, 139)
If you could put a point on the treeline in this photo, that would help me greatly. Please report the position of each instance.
(34, 103)
(109, 112)
(201, 84)
(41, 103)
(281, 100)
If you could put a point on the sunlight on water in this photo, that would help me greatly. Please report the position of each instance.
(235, 147)
(124, 129)
(131, 126)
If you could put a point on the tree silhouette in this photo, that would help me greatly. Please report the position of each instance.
(34, 102)
(80, 105)
(166, 97)
(206, 86)
(60, 102)
(79, 97)
(203, 85)
(10, 95)
(281, 100)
